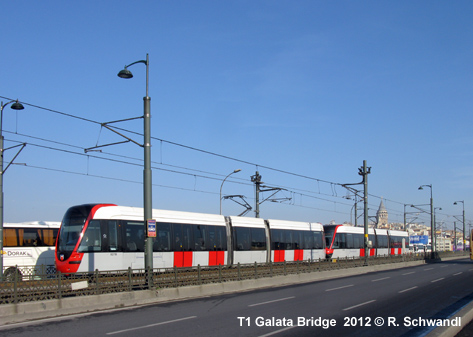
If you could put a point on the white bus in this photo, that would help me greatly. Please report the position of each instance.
(28, 246)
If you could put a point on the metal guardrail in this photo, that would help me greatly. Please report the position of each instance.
(32, 285)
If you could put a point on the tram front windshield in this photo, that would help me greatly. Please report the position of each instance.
(329, 231)
(71, 228)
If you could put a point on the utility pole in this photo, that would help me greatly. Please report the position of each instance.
(364, 171)
(257, 180)
(258, 185)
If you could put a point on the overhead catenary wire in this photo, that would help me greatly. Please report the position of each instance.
(202, 175)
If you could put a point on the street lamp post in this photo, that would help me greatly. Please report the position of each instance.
(15, 106)
(463, 220)
(147, 184)
(235, 171)
(432, 220)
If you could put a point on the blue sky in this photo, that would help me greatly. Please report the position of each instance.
(310, 88)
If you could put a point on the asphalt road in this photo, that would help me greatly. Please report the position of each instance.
(388, 303)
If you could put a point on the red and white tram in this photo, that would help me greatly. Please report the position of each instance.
(110, 237)
(347, 241)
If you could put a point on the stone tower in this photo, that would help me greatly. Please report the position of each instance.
(382, 216)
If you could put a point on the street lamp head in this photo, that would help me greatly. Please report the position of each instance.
(237, 170)
(17, 106)
(125, 73)
(420, 188)
(455, 203)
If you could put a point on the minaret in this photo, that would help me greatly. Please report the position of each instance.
(382, 216)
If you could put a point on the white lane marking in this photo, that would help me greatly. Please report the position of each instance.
(444, 266)
(277, 331)
(380, 279)
(412, 272)
(359, 305)
(348, 286)
(150, 325)
(428, 269)
(402, 291)
(439, 279)
(458, 273)
(281, 299)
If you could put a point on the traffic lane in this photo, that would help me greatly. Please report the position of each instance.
(262, 317)
(439, 299)
(225, 309)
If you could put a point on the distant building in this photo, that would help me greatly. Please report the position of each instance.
(382, 216)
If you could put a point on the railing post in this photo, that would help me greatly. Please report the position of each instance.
(97, 291)
(285, 271)
(130, 285)
(15, 287)
(271, 268)
(256, 270)
(220, 273)
(59, 285)
(175, 277)
(198, 274)
(239, 272)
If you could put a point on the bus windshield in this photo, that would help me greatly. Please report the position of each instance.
(71, 228)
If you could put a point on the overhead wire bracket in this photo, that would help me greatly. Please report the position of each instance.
(128, 139)
(241, 202)
(11, 161)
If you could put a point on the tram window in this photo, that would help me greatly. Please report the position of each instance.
(276, 239)
(349, 240)
(213, 242)
(182, 237)
(177, 237)
(288, 239)
(396, 242)
(187, 238)
(91, 241)
(113, 235)
(358, 241)
(258, 239)
(308, 242)
(318, 240)
(297, 240)
(382, 241)
(221, 237)
(135, 237)
(340, 241)
(199, 237)
(162, 242)
(372, 238)
(217, 238)
(242, 238)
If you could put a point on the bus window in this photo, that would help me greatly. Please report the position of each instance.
(10, 237)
